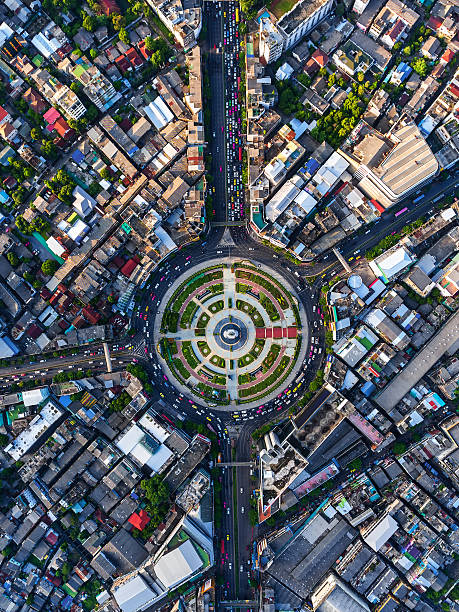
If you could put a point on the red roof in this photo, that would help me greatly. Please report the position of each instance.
(277, 332)
(91, 315)
(129, 267)
(320, 57)
(51, 116)
(3, 113)
(311, 67)
(34, 331)
(454, 89)
(126, 124)
(134, 57)
(62, 127)
(122, 63)
(51, 538)
(118, 261)
(140, 520)
(447, 56)
(143, 50)
(260, 332)
(292, 332)
(434, 23)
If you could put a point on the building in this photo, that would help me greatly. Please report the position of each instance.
(96, 86)
(276, 37)
(334, 594)
(182, 19)
(39, 425)
(178, 565)
(134, 595)
(389, 167)
(391, 263)
(84, 204)
(58, 94)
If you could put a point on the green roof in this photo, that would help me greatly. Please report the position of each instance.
(38, 60)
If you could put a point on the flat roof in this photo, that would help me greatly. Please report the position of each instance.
(177, 565)
(417, 367)
(300, 13)
(409, 163)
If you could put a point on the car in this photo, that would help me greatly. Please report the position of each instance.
(242, 510)
(241, 490)
(227, 537)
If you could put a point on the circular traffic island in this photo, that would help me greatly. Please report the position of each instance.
(230, 334)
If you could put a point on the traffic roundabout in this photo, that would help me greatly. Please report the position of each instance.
(230, 333)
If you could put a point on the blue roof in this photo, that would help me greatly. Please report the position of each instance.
(312, 165)
(265, 15)
(4, 197)
(404, 69)
(77, 156)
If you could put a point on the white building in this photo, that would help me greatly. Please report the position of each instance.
(49, 414)
(391, 262)
(83, 204)
(178, 565)
(277, 38)
(134, 595)
(378, 535)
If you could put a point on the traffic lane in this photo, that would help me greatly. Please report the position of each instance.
(388, 221)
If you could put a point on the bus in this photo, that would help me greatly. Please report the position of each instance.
(237, 15)
(222, 547)
(400, 212)
(240, 153)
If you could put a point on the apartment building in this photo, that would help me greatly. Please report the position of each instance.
(276, 37)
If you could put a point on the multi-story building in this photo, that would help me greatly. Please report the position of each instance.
(184, 20)
(278, 37)
(96, 86)
(59, 94)
(389, 167)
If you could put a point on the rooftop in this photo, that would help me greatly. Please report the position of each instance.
(299, 13)
(419, 365)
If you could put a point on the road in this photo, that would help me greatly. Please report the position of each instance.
(233, 429)
(223, 45)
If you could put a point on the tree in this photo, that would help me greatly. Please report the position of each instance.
(92, 113)
(49, 149)
(149, 43)
(13, 259)
(360, 77)
(49, 266)
(111, 299)
(89, 23)
(407, 50)
(105, 173)
(35, 133)
(124, 36)
(22, 225)
(93, 53)
(66, 193)
(75, 86)
(3, 440)
(118, 22)
(399, 448)
(420, 66)
(19, 195)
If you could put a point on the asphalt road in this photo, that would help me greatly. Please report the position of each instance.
(223, 45)
(223, 78)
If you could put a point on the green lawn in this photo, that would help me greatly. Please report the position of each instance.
(280, 7)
